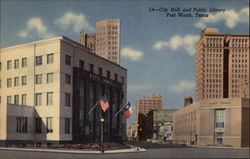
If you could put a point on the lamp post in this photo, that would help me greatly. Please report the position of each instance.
(101, 140)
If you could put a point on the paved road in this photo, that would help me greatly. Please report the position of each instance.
(150, 153)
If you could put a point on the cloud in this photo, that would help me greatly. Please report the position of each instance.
(76, 21)
(134, 55)
(231, 18)
(186, 43)
(182, 86)
(35, 27)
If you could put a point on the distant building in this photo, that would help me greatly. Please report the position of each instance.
(159, 124)
(48, 87)
(188, 100)
(132, 132)
(213, 122)
(222, 61)
(106, 41)
(146, 104)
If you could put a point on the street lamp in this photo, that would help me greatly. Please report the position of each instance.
(101, 140)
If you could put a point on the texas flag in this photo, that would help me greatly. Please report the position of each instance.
(128, 110)
(104, 103)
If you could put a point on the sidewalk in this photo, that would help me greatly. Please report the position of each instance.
(221, 147)
(132, 149)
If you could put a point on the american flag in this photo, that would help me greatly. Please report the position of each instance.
(104, 103)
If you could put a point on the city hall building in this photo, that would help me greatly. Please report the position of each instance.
(48, 87)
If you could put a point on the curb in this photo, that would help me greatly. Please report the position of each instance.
(76, 151)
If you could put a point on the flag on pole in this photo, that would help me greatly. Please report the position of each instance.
(128, 110)
(104, 103)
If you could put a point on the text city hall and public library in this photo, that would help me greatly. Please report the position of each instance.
(49, 86)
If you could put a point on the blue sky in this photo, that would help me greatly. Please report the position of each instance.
(158, 51)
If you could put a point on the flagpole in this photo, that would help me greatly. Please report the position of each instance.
(95, 105)
(120, 110)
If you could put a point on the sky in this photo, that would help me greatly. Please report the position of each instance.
(157, 48)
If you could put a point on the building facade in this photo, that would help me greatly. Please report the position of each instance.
(209, 122)
(222, 65)
(49, 86)
(146, 104)
(106, 41)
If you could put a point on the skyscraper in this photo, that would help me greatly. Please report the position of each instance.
(222, 64)
(145, 104)
(106, 41)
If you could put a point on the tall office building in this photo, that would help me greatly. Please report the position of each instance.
(106, 41)
(146, 104)
(222, 65)
(48, 87)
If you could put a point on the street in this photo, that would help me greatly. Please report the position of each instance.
(187, 152)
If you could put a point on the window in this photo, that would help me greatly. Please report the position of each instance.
(8, 99)
(16, 64)
(24, 99)
(38, 125)
(67, 99)
(67, 78)
(24, 82)
(38, 100)
(16, 99)
(115, 77)
(81, 64)
(38, 79)
(123, 80)
(67, 60)
(0, 66)
(219, 118)
(0, 99)
(100, 71)
(9, 64)
(67, 126)
(108, 74)
(9, 82)
(50, 77)
(49, 124)
(50, 98)
(91, 68)
(16, 81)
(39, 60)
(0, 83)
(24, 62)
(50, 58)
(21, 124)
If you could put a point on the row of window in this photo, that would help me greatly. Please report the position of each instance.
(213, 55)
(39, 59)
(16, 99)
(214, 85)
(49, 79)
(214, 96)
(239, 76)
(16, 63)
(214, 90)
(240, 50)
(239, 70)
(38, 99)
(239, 65)
(213, 80)
(213, 70)
(239, 60)
(239, 40)
(239, 45)
(22, 125)
(16, 81)
(214, 60)
(239, 55)
(213, 65)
